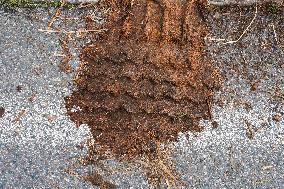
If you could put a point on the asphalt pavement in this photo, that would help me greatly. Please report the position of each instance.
(241, 147)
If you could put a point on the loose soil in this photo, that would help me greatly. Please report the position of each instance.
(146, 79)
(97, 180)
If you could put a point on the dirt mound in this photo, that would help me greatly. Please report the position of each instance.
(145, 79)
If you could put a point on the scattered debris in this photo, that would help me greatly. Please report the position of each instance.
(76, 32)
(254, 86)
(97, 180)
(37, 71)
(56, 14)
(52, 118)
(19, 116)
(215, 125)
(19, 88)
(2, 112)
(276, 117)
(32, 98)
(247, 106)
(67, 56)
(249, 130)
(226, 41)
(268, 167)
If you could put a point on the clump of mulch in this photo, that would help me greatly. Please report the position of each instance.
(146, 78)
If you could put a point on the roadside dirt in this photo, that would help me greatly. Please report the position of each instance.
(145, 79)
